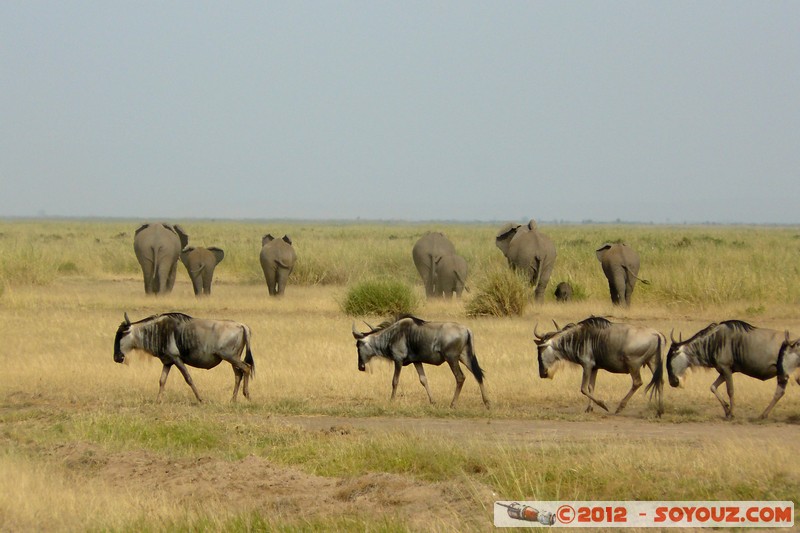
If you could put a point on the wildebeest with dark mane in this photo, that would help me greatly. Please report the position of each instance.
(411, 340)
(598, 344)
(180, 340)
(728, 347)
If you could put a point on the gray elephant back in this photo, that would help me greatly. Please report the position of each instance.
(618, 253)
(278, 249)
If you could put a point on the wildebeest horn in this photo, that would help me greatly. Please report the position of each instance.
(535, 332)
(357, 334)
(127, 321)
(788, 341)
(671, 335)
(369, 325)
(556, 325)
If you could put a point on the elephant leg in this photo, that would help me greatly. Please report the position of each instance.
(171, 273)
(616, 284)
(630, 281)
(197, 283)
(541, 286)
(147, 272)
(269, 275)
(208, 275)
(283, 278)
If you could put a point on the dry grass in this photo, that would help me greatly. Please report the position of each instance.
(60, 386)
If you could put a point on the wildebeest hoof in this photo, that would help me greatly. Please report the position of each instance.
(603, 405)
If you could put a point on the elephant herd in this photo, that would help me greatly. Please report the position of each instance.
(527, 250)
(159, 246)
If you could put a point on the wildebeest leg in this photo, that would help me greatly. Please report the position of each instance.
(592, 378)
(188, 378)
(238, 379)
(717, 382)
(636, 377)
(396, 378)
(587, 377)
(423, 379)
(240, 368)
(163, 381)
(779, 390)
(456, 368)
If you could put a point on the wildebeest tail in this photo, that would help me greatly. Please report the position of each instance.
(476, 369)
(248, 355)
(656, 384)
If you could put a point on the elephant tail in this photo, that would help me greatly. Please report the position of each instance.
(628, 272)
(154, 272)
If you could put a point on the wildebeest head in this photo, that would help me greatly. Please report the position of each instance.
(548, 354)
(678, 360)
(789, 358)
(122, 340)
(364, 345)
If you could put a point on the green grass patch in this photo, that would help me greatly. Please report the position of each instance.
(501, 292)
(379, 297)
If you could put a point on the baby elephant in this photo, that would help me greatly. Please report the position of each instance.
(450, 276)
(563, 292)
(201, 262)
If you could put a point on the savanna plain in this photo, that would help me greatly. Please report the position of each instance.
(85, 446)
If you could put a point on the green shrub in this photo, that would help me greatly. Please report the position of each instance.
(501, 292)
(379, 297)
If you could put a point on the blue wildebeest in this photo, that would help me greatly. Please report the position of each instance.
(728, 347)
(411, 340)
(598, 344)
(180, 340)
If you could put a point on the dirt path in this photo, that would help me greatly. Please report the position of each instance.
(513, 431)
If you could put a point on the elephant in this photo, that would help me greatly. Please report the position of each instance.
(157, 247)
(450, 276)
(620, 264)
(563, 292)
(200, 263)
(527, 249)
(427, 251)
(277, 261)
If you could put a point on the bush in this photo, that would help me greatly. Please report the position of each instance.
(502, 292)
(379, 297)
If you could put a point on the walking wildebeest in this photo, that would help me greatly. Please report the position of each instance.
(728, 347)
(411, 340)
(788, 365)
(180, 340)
(598, 344)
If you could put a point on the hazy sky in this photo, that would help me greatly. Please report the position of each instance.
(644, 111)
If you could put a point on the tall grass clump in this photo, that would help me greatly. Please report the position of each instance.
(379, 297)
(502, 292)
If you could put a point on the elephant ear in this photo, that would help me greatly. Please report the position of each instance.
(532, 225)
(267, 238)
(601, 251)
(185, 254)
(507, 231)
(182, 234)
(287, 239)
(143, 226)
(218, 253)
